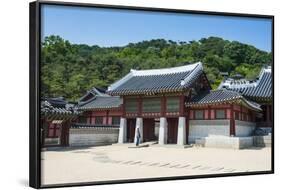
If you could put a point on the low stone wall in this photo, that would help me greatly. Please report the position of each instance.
(204, 128)
(244, 128)
(92, 136)
(51, 141)
(262, 141)
(226, 142)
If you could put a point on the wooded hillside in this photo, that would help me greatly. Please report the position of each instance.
(69, 70)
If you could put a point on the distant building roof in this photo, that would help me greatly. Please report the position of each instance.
(221, 96)
(57, 108)
(232, 83)
(91, 93)
(259, 90)
(174, 79)
(56, 102)
(238, 76)
(101, 102)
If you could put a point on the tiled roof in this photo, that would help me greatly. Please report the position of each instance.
(174, 79)
(57, 108)
(91, 93)
(260, 90)
(101, 102)
(221, 96)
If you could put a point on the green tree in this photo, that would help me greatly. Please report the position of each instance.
(70, 70)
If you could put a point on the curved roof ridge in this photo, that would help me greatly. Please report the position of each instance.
(163, 71)
(221, 96)
(157, 80)
(260, 89)
(192, 74)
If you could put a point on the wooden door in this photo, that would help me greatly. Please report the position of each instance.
(131, 126)
(148, 129)
(172, 130)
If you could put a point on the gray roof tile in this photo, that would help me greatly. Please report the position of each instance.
(221, 96)
(262, 90)
(101, 102)
(57, 108)
(156, 81)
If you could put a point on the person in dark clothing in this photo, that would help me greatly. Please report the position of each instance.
(138, 137)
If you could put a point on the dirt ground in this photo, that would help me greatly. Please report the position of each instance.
(116, 162)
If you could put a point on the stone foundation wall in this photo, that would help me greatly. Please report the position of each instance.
(226, 142)
(244, 128)
(262, 141)
(204, 128)
(93, 136)
(51, 141)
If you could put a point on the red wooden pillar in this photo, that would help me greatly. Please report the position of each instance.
(181, 111)
(209, 112)
(123, 107)
(65, 133)
(232, 122)
(139, 106)
(163, 106)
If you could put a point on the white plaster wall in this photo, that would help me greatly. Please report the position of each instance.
(227, 142)
(93, 136)
(204, 128)
(244, 128)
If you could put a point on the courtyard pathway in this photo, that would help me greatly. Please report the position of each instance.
(120, 162)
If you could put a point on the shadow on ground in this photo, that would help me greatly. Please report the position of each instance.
(65, 149)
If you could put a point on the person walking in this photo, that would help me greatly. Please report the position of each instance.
(138, 136)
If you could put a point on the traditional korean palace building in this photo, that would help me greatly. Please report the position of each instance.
(56, 118)
(176, 106)
(259, 91)
(100, 109)
(170, 105)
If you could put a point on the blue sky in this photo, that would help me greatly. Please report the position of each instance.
(108, 27)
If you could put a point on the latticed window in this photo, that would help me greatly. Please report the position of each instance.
(99, 120)
(199, 114)
(115, 120)
(151, 105)
(173, 104)
(131, 105)
(220, 114)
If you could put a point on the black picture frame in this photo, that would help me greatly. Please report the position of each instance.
(34, 81)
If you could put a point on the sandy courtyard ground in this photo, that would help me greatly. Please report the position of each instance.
(120, 162)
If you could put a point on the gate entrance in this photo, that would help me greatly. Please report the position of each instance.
(149, 129)
(131, 126)
(172, 130)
